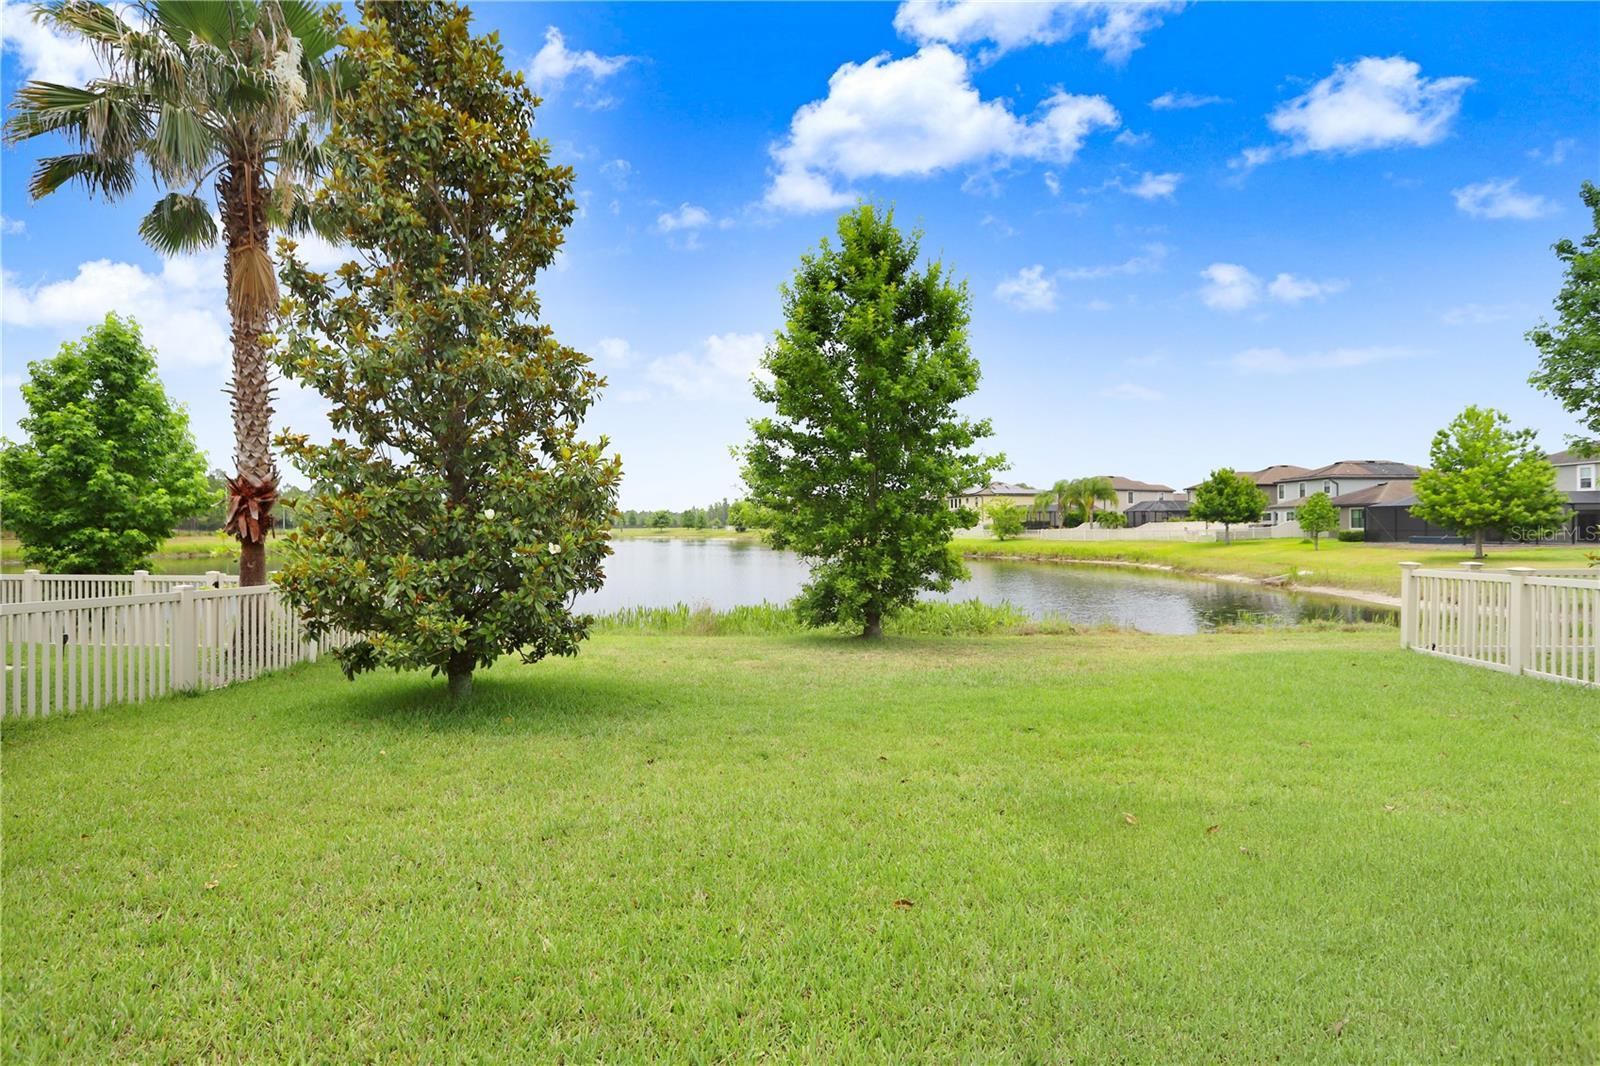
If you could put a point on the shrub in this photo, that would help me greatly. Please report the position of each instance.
(1005, 520)
(1352, 534)
(1111, 520)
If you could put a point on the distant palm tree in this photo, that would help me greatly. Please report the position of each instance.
(237, 90)
(1058, 496)
(1085, 492)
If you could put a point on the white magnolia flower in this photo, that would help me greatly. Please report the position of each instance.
(555, 549)
(488, 514)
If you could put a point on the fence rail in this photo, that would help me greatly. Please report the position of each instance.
(1544, 623)
(64, 654)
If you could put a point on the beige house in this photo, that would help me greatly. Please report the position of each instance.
(1130, 492)
(1347, 483)
(980, 497)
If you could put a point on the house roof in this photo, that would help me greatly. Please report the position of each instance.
(1000, 488)
(1384, 468)
(1160, 507)
(1570, 458)
(1127, 484)
(1271, 475)
(1377, 495)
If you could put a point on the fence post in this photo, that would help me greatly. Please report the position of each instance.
(141, 582)
(185, 652)
(213, 579)
(1520, 621)
(32, 587)
(1468, 564)
(1408, 603)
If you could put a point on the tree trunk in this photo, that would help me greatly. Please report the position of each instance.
(459, 671)
(252, 296)
(1477, 544)
(874, 624)
(1227, 533)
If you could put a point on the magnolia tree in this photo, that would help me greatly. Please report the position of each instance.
(865, 445)
(458, 513)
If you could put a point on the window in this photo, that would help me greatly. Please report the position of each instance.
(1586, 477)
(1130, 497)
(1358, 518)
(1280, 491)
(1327, 486)
(1302, 490)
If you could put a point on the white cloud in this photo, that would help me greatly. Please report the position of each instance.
(686, 217)
(1229, 287)
(914, 117)
(1130, 139)
(43, 54)
(1130, 391)
(1115, 29)
(1028, 290)
(1371, 103)
(1176, 101)
(181, 311)
(1251, 158)
(722, 368)
(1555, 155)
(1153, 186)
(1139, 264)
(1052, 183)
(1289, 289)
(555, 63)
(1481, 314)
(12, 226)
(1277, 361)
(613, 351)
(1499, 198)
(617, 172)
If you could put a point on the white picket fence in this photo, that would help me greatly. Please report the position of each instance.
(1544, 623)
(63, 654)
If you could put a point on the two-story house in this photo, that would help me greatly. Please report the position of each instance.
(1130, 492)
(1352, 485)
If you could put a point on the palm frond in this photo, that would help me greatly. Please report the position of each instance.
(252, 288)
(182, 147)
(215, 22)
(99, 24)
(43, 107)
(309, 23)
(106, 176)
(179, 223)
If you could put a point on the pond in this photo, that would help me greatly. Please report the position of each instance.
(727, 573)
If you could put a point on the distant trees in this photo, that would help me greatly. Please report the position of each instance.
(1086, 492)
(462, 513)
(231, 90)
(1484, 476)
(1005, 519)
(1317, 515)
(1058, 498)
(109, 467)
(1229, 498)
(864, 445)
(1569, 351)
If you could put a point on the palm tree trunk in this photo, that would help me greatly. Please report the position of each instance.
(253, 490)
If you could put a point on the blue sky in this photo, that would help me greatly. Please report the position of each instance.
(1194, 236)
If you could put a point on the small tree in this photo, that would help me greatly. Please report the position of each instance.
(865, 445)
(109, 468)
(1005, 519)
(1317, 516)
(662, 520)
(466, 514)
(1057, 496)
(1569, 351)
(1228, 498)
(1484, 476)
(1088, 491)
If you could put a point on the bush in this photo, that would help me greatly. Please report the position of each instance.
(1005, 520)
(1352, 534)
(1111, 520)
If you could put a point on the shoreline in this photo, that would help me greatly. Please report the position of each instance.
(1377, 599)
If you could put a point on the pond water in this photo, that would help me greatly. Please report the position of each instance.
(727, 573)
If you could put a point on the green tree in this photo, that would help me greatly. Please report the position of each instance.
(1317, 515)
(662, 520)
(1112, 520)
(1005, 519)
(459, 513)
(865, 445)
(743, 515)
(1086, 492)
(1484, 476)
(1228, 498)
(235, 90)
(1569, 351)
(1058, 496)
(109, 468)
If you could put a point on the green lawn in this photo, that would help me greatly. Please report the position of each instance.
(1281, 846)
(1368, 567)
(178, 546)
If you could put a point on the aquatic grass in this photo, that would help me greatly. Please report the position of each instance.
(929, 618)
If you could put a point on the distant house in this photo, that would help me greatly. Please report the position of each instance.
(1173, 509)
(980, 497)
(1131, 492)
(1346, 483)
(1578, 479)
(1389, 517)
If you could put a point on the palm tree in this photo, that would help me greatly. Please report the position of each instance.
(1058, 496)
(235, 90)
(1085, 492)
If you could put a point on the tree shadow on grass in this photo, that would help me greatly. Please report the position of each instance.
(510, 698)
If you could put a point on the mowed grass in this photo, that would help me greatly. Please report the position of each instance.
(1339, 564)
(1274, 846)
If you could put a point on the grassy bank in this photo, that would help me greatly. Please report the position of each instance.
(1337, 564)
(181, 546)
(1280, 846)
(683, 533)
